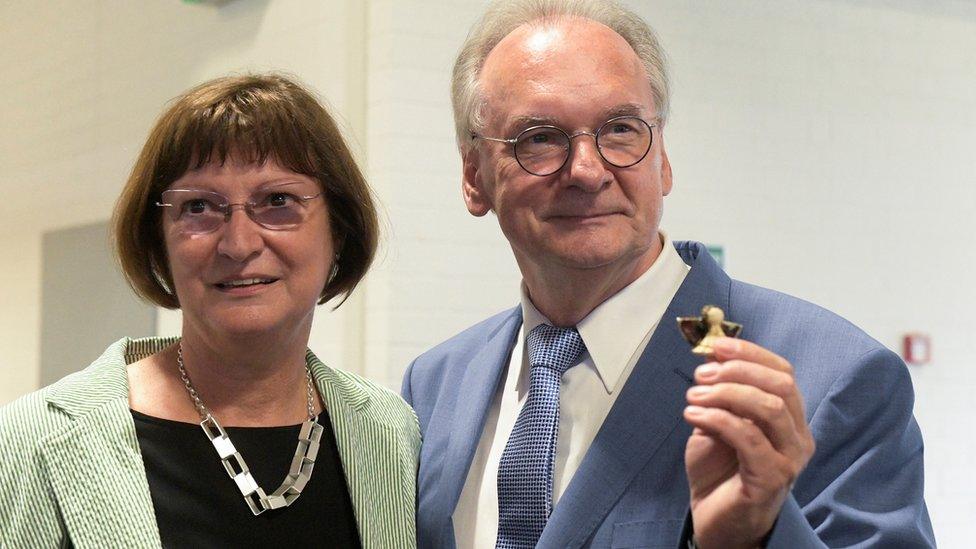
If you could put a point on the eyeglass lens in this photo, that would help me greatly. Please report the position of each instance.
(622, 142)
(198, 211)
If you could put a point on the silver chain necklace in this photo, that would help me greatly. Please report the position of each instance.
(301, 466)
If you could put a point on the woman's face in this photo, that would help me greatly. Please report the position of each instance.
(244, 279)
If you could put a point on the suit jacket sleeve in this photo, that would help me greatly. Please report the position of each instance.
(405, 390)
(864, 485)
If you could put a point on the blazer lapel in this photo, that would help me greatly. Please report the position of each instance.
(476, 390)
(376, 464)
(94, 464)
(648, 409)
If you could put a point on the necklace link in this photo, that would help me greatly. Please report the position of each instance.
(300, 471)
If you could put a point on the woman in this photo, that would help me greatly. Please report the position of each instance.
(244, 209)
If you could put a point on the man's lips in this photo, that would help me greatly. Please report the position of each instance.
(571, 216)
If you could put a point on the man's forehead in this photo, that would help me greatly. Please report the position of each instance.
(536, 117)
(540, 68)
(542, 43)
(540, 39)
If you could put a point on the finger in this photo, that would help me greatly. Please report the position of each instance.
(708, 461)
(768, 411)
(766, 379)
(759, 463)
(727, 348)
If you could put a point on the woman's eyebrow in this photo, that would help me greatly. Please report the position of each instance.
(283, 181)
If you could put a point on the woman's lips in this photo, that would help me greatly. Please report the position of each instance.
(245, 286)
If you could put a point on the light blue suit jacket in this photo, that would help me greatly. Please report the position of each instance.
(862, 488)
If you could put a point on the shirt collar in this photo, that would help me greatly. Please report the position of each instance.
(613, 332)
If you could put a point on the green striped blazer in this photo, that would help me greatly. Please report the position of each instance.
(71, 470)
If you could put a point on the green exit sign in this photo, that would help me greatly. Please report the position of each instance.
(718, 253)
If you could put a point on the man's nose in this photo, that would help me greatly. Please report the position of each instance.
(240, 237)
(587, 169)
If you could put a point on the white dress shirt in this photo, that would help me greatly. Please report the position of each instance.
(615, 334)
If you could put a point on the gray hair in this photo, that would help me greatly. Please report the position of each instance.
(504, 16)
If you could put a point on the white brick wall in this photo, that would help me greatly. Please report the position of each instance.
(826, 143)
(83, 82)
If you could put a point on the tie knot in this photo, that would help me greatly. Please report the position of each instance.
(555, 348)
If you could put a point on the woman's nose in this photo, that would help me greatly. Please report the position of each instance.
(240, 237)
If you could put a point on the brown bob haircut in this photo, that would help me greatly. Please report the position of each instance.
(252, 118)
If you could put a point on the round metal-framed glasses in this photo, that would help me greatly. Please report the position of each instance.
(277, 208)
(543, 150)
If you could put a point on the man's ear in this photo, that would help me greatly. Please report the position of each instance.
(666, 175)
(476, 197)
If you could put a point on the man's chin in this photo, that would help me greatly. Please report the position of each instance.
(595, 255)
(586, 258)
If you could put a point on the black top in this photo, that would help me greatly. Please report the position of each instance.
(198, 505)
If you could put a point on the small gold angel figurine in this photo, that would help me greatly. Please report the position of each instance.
(701, 331)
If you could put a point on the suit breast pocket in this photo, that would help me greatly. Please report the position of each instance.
(646, 534)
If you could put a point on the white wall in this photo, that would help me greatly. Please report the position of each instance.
(835, 143)
(83, 82)
(20, 314)
(825, 143)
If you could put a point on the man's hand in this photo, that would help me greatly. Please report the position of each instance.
(750, 442)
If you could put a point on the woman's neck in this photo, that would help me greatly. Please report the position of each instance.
(247, 382)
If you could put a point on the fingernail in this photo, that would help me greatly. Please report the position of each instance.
(707, 371)
(694, 410)
(699, 391)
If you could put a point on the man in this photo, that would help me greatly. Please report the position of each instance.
(580, 418)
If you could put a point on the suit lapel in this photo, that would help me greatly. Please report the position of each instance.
(94, 465)
(476, 390)
(648, 409)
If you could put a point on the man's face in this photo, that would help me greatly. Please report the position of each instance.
(590, 214)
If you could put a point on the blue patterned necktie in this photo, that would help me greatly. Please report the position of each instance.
(525, 470)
